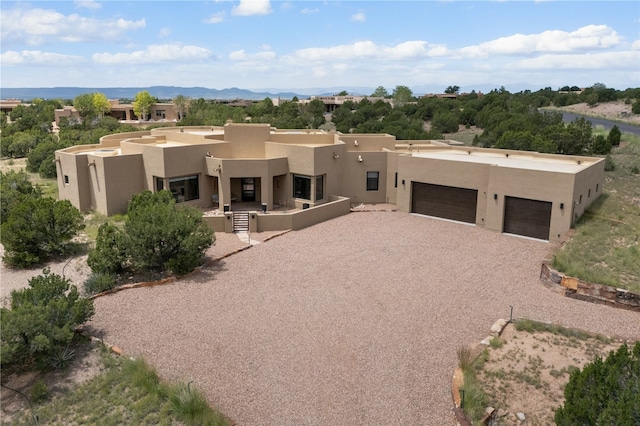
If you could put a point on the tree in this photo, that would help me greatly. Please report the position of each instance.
(601, 145)
(101, 104)
(15, 187)
(452, 90)
(38, 228)
(42, 320)
(604, 392)
(445, 122)
(157, 236)
(85, 106)
(614, 136)
(401, 95)
(380, 92)
(142, 104)
(343, 93)
(182, 103)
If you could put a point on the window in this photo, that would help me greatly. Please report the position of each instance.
(160, 113)
(589, 193)
(372, 181)
(580, 202)
(597, 187)
(66, 178)
(395, 184)
(319, 188)
(302, 187)
(185, 188)
(159, 183)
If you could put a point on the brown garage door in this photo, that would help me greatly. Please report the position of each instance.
(444, 201)
(531, 218)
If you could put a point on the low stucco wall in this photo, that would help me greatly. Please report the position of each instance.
(300, 219)
(590, 292)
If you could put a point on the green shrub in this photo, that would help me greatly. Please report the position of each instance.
(157, 236)
(41, 321)
(609, 165)
(39, 392)
(191, 406)
(604, 392)
(99, 282)
(38, 228)
(635, 170)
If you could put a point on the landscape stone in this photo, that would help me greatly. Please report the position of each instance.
(498, 326)
(521, 417)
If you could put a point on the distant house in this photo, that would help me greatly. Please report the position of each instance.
(288, 179)
(162, 112)
(333, 102)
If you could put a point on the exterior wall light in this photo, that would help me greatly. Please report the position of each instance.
(335, 156)
(355, 143)
(360, 160)
(495, 196)
(561, 206)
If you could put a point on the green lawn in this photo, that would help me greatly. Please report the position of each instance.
(606, 246)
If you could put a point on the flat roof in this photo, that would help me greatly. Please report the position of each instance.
(205, 132)
(517, 161)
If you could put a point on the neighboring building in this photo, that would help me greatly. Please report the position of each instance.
(333, 102)
(318, 173)
(8, 105)
(158, 112)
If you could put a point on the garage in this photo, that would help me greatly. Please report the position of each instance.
(447, 202)
(531, 218)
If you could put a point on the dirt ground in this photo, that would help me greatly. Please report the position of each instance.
(617, 110)
(528, 373)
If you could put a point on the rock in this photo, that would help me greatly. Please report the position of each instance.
(486, 341)
(489, 410)
(498, 326)
(502, 412)
(521, 417)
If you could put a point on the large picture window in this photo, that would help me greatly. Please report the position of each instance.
(302, 187)
(372, 181)
(185, 188)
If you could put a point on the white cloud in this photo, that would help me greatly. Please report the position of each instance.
(587, 61)
(307, 11)
(215, 18)
(38, 26)
(368, 49)
(242, 56)
(552, 41)
(358, 17)
(36, 57)
(252, 7)
(164, 32)
(88, 4)
(635, 45)
(158, 53)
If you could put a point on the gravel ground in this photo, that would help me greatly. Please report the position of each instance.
(352, 321)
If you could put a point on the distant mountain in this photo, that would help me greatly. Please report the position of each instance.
(160, 92)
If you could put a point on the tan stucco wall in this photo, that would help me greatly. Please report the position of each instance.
(273, 156)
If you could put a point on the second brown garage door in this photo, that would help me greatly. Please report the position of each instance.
(531, 218)
(447, 202)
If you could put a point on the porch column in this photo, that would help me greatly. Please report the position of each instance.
(266, 191)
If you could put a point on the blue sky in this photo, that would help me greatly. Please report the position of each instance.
(294, 45)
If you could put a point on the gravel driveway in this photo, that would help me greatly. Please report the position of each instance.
(354, 321)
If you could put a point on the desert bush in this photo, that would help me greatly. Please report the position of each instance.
(604, 392)
(609, 165)
(99, 282)
(41, 321)
(158, 235)
(39, 391)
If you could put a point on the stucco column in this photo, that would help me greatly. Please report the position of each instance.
(266, 191)
(224, 191)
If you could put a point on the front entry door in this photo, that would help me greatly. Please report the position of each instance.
(248, 189)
